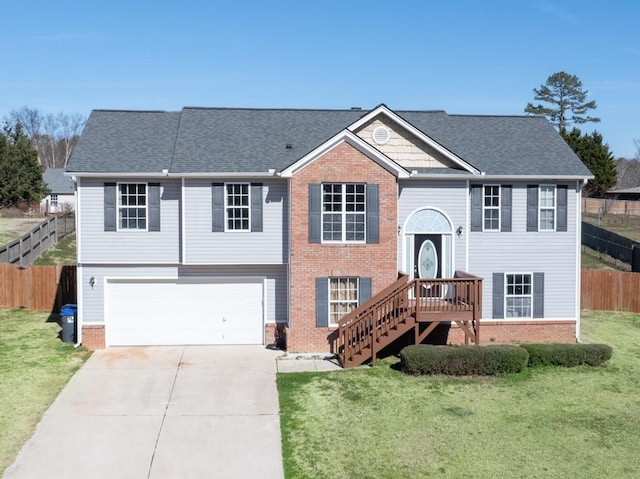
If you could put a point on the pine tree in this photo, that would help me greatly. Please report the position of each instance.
(20, 174)
(566, 101)
(597, 157)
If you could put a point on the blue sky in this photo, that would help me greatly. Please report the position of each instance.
(467, 57)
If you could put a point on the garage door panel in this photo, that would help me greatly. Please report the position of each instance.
(184, 312)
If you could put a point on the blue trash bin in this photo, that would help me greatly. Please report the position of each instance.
(68, 315)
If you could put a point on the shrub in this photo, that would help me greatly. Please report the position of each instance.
(567, 355)
(463, 360)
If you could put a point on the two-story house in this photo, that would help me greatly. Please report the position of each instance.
(229, 226)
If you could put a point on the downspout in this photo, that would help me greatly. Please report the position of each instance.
(579, 188)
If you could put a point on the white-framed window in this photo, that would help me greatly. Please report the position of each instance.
(237, 211)
(518, 295)
(491, 208)
(132, 206)
(54, 199)
(547, 208)
(343, 212)
(343, 298)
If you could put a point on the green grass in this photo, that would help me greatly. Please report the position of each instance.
(64, 253)
(14, 228)
(543, 423)
(34, 367)
(592, 259)
(625, 225)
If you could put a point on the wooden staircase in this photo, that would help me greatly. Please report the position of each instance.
(404, 306)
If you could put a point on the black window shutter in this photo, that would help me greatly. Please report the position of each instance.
(538, 295)
(315, 214)
(498, 295)
(532, 207)
(110, 207)
(154, 206)
(373, 213)
(322, 302)
(364, 290)
(562, 191)
(217, 207)
(256, 207)
(476, 207)
(505, 208)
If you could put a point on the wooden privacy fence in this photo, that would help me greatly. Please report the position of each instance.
(605, 290)
(25, 250)
(39, 288)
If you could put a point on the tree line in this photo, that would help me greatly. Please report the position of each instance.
(30, 142)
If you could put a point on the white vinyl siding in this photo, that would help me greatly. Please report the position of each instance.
(98, 246)
(202, 246)
(554, 254)
(276, 293)
(451, 198)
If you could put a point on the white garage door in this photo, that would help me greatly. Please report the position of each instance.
(172, 312)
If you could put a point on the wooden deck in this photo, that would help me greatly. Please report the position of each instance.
(406, 306)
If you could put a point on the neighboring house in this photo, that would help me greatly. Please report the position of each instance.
(62, 197)
(628, 194)
(223, 226)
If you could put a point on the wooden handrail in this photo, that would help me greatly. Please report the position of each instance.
(403, 304)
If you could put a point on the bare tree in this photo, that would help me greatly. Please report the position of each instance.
(52, 136)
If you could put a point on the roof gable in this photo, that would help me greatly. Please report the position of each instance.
(438, 153)
(345, 136)
(57, 182)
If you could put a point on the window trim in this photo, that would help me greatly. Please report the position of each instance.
(119, 206)
(226, 207)
(498, 208)
(330, 301)
(546, 208)
(507, 295)
(343, 213)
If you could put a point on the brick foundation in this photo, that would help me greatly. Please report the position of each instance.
(539, 331)
(275, 335)
(93, 336)
(342, 164)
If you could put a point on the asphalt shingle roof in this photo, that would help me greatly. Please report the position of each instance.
(218, 140)
(57, 182)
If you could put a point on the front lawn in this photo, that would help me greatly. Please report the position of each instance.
(34, 367)
(379, 423)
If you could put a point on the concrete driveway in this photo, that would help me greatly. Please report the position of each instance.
(162, 412)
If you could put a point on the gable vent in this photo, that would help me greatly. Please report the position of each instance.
(381, 135)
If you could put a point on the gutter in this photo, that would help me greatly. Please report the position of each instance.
(166, 174)
(485, 177)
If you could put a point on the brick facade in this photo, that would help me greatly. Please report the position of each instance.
(309, 261)
(93, 336)
(535, 331)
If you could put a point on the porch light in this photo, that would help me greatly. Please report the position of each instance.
(92, 282)
(459, 231)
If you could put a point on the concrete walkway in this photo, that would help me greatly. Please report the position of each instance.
(293, 364)
(161, 412)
